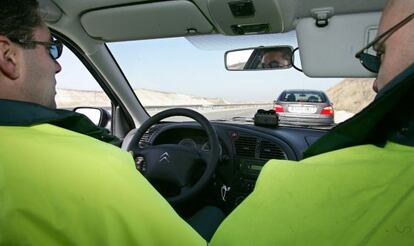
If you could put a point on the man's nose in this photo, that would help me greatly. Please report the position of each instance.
(375, 86)
(58, 68)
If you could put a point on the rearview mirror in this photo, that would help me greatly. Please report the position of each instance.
(261, 58)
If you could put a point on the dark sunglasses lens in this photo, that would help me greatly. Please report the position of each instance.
(274, 64)
(370, 62)
(55, 50)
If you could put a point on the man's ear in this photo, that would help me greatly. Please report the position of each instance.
(8, 58)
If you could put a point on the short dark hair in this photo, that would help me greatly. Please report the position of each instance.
(18, 19)
(286, 55)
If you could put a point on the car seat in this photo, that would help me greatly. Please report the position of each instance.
(291, 98)
(313, 99)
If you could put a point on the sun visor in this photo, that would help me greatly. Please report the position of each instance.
(49, 11)
(330, 51)
(146, 21)
(246, 17)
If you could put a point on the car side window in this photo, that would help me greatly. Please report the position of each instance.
(76, 87)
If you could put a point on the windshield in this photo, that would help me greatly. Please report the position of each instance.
(190, 72)
(302, 96)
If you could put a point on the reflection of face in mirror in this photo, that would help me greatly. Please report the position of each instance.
(259, 58)
(276, 58)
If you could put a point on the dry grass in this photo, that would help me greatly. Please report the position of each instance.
(67, 98)
(351, 95)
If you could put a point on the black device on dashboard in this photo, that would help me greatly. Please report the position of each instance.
(266, 118)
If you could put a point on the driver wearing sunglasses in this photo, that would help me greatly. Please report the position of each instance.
(34, 79)
(55, 47)
(53, 205)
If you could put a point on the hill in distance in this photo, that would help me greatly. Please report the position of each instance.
(68, 98)
(351, 95)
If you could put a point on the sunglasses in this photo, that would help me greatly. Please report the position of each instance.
(55, 47)
(373, 62)
(272, 64)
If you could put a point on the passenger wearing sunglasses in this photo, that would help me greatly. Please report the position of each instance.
(355, 185)
(397, 42)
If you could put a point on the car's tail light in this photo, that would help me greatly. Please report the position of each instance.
(327, 110)
(278, 108)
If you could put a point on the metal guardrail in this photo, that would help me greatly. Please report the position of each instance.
(212, 106)
(202, 106)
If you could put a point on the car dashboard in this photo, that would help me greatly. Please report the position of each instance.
(244, 150)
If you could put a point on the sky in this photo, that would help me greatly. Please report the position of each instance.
(195, 66)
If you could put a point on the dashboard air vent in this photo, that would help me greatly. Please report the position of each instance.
(270, 150)
(246, 146)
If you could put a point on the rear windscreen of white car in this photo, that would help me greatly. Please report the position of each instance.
(302, 96)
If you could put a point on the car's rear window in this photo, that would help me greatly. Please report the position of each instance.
(302, 96)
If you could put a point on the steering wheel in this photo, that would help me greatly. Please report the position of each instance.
(174, 164)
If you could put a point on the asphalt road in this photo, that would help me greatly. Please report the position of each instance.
(243, 114)
(230, 114)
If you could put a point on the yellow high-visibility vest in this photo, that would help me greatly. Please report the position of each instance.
(59, 187)
(362, 195)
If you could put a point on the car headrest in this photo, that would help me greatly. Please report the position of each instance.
(291, 98)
